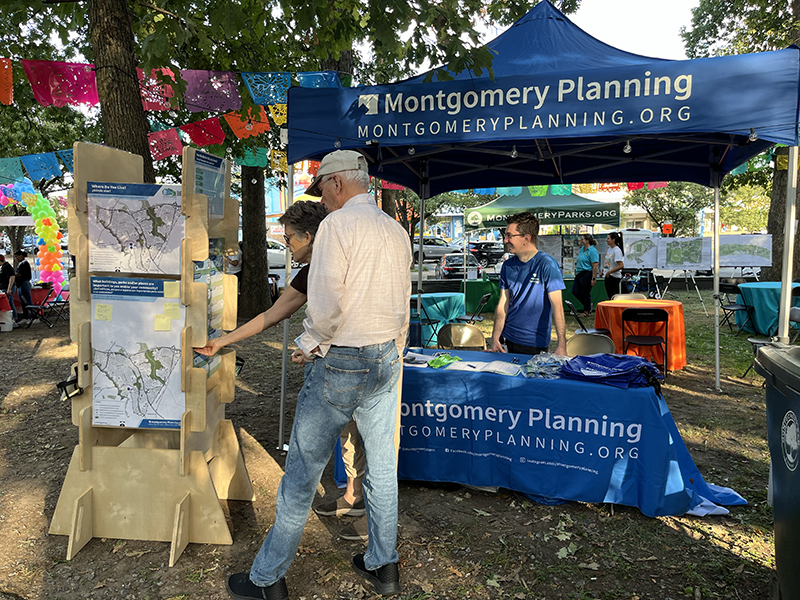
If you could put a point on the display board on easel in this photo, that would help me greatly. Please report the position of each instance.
(684, 254)
(155, 453)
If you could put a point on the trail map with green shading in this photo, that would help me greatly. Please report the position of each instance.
(745, 250)
(687, 254)
(135, 228)
(136, 353)
(136, 383)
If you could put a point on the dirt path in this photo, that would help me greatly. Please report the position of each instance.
(454, 543)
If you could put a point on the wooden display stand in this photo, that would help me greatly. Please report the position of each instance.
(145, 484)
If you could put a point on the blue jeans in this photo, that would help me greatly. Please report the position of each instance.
(358, 383)
(24, 291)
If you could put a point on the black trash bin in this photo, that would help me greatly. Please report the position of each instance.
(780, 366)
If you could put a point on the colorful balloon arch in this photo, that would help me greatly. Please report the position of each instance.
(48, 258)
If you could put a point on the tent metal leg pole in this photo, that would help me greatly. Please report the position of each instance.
(285, 358)
(423, 195)
(715, 246)
(788, 248)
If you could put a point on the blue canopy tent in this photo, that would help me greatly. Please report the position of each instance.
(562, 107)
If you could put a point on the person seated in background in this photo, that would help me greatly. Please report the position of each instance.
(22, 281)
(7, 276)
(530, 293)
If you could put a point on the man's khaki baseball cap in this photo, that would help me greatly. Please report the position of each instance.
(340, 160)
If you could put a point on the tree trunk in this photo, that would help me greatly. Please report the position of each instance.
(388, 203)
(775, 223)
(123, 116)
(254, 291)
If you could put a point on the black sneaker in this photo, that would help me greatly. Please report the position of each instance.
(241, 588)
(385, 579)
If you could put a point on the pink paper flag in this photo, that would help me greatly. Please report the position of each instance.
(388, 185)
(211, 90)
(656, 184)
(60, 84)
(205, 132)
(635, 186)
(164, 143)
(155, 95)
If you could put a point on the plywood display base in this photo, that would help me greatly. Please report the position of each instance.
(139, 493)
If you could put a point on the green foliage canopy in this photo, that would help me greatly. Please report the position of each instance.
(679, 203)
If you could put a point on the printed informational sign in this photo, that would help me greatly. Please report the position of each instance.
(641, 250)
(135, 228)
(745, 250)
(136, 353)
(209, 179)
(552, 245)
(210, 273)
(687, 254)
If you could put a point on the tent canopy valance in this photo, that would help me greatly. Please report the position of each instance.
(563, 108)
(551, 209)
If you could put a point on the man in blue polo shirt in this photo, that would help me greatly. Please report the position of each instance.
(530, 293)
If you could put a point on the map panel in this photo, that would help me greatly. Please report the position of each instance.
(552, 245)
(688, 254)
(745, 250)
(135, 228)
(209, 179)
(641, 250)
(570, 250)
(210, 272)
(136, 353)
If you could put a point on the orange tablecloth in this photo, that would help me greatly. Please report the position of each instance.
(609, 316)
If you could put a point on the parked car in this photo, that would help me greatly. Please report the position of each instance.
(276, 253)
(433, 248)
(451, 266)
(487, 253)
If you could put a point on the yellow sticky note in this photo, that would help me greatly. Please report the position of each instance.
(102, 312)
(172, 310)
(163, 323)
(172, 289)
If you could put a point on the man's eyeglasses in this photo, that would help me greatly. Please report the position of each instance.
(510, 235)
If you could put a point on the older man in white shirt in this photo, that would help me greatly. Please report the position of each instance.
(358, 298)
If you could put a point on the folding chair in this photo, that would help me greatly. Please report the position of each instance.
(794, 314)
(476, 315)
(416, 313)
(646, 315)
(629, 296)
(40, 311)
(730, 308)
(58, 309)
(460, 336)
(583, 329)
(589, 343)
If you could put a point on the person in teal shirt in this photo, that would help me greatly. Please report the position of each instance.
(586, 273)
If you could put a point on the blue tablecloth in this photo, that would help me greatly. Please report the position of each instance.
(564, 439)
(764, 297)
(440, 306)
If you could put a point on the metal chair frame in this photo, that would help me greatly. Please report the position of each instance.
(476, 315)
(730, 309)
(583, 329)
(646, 315)
(425, 321)
(445, 337)
(589, 343)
